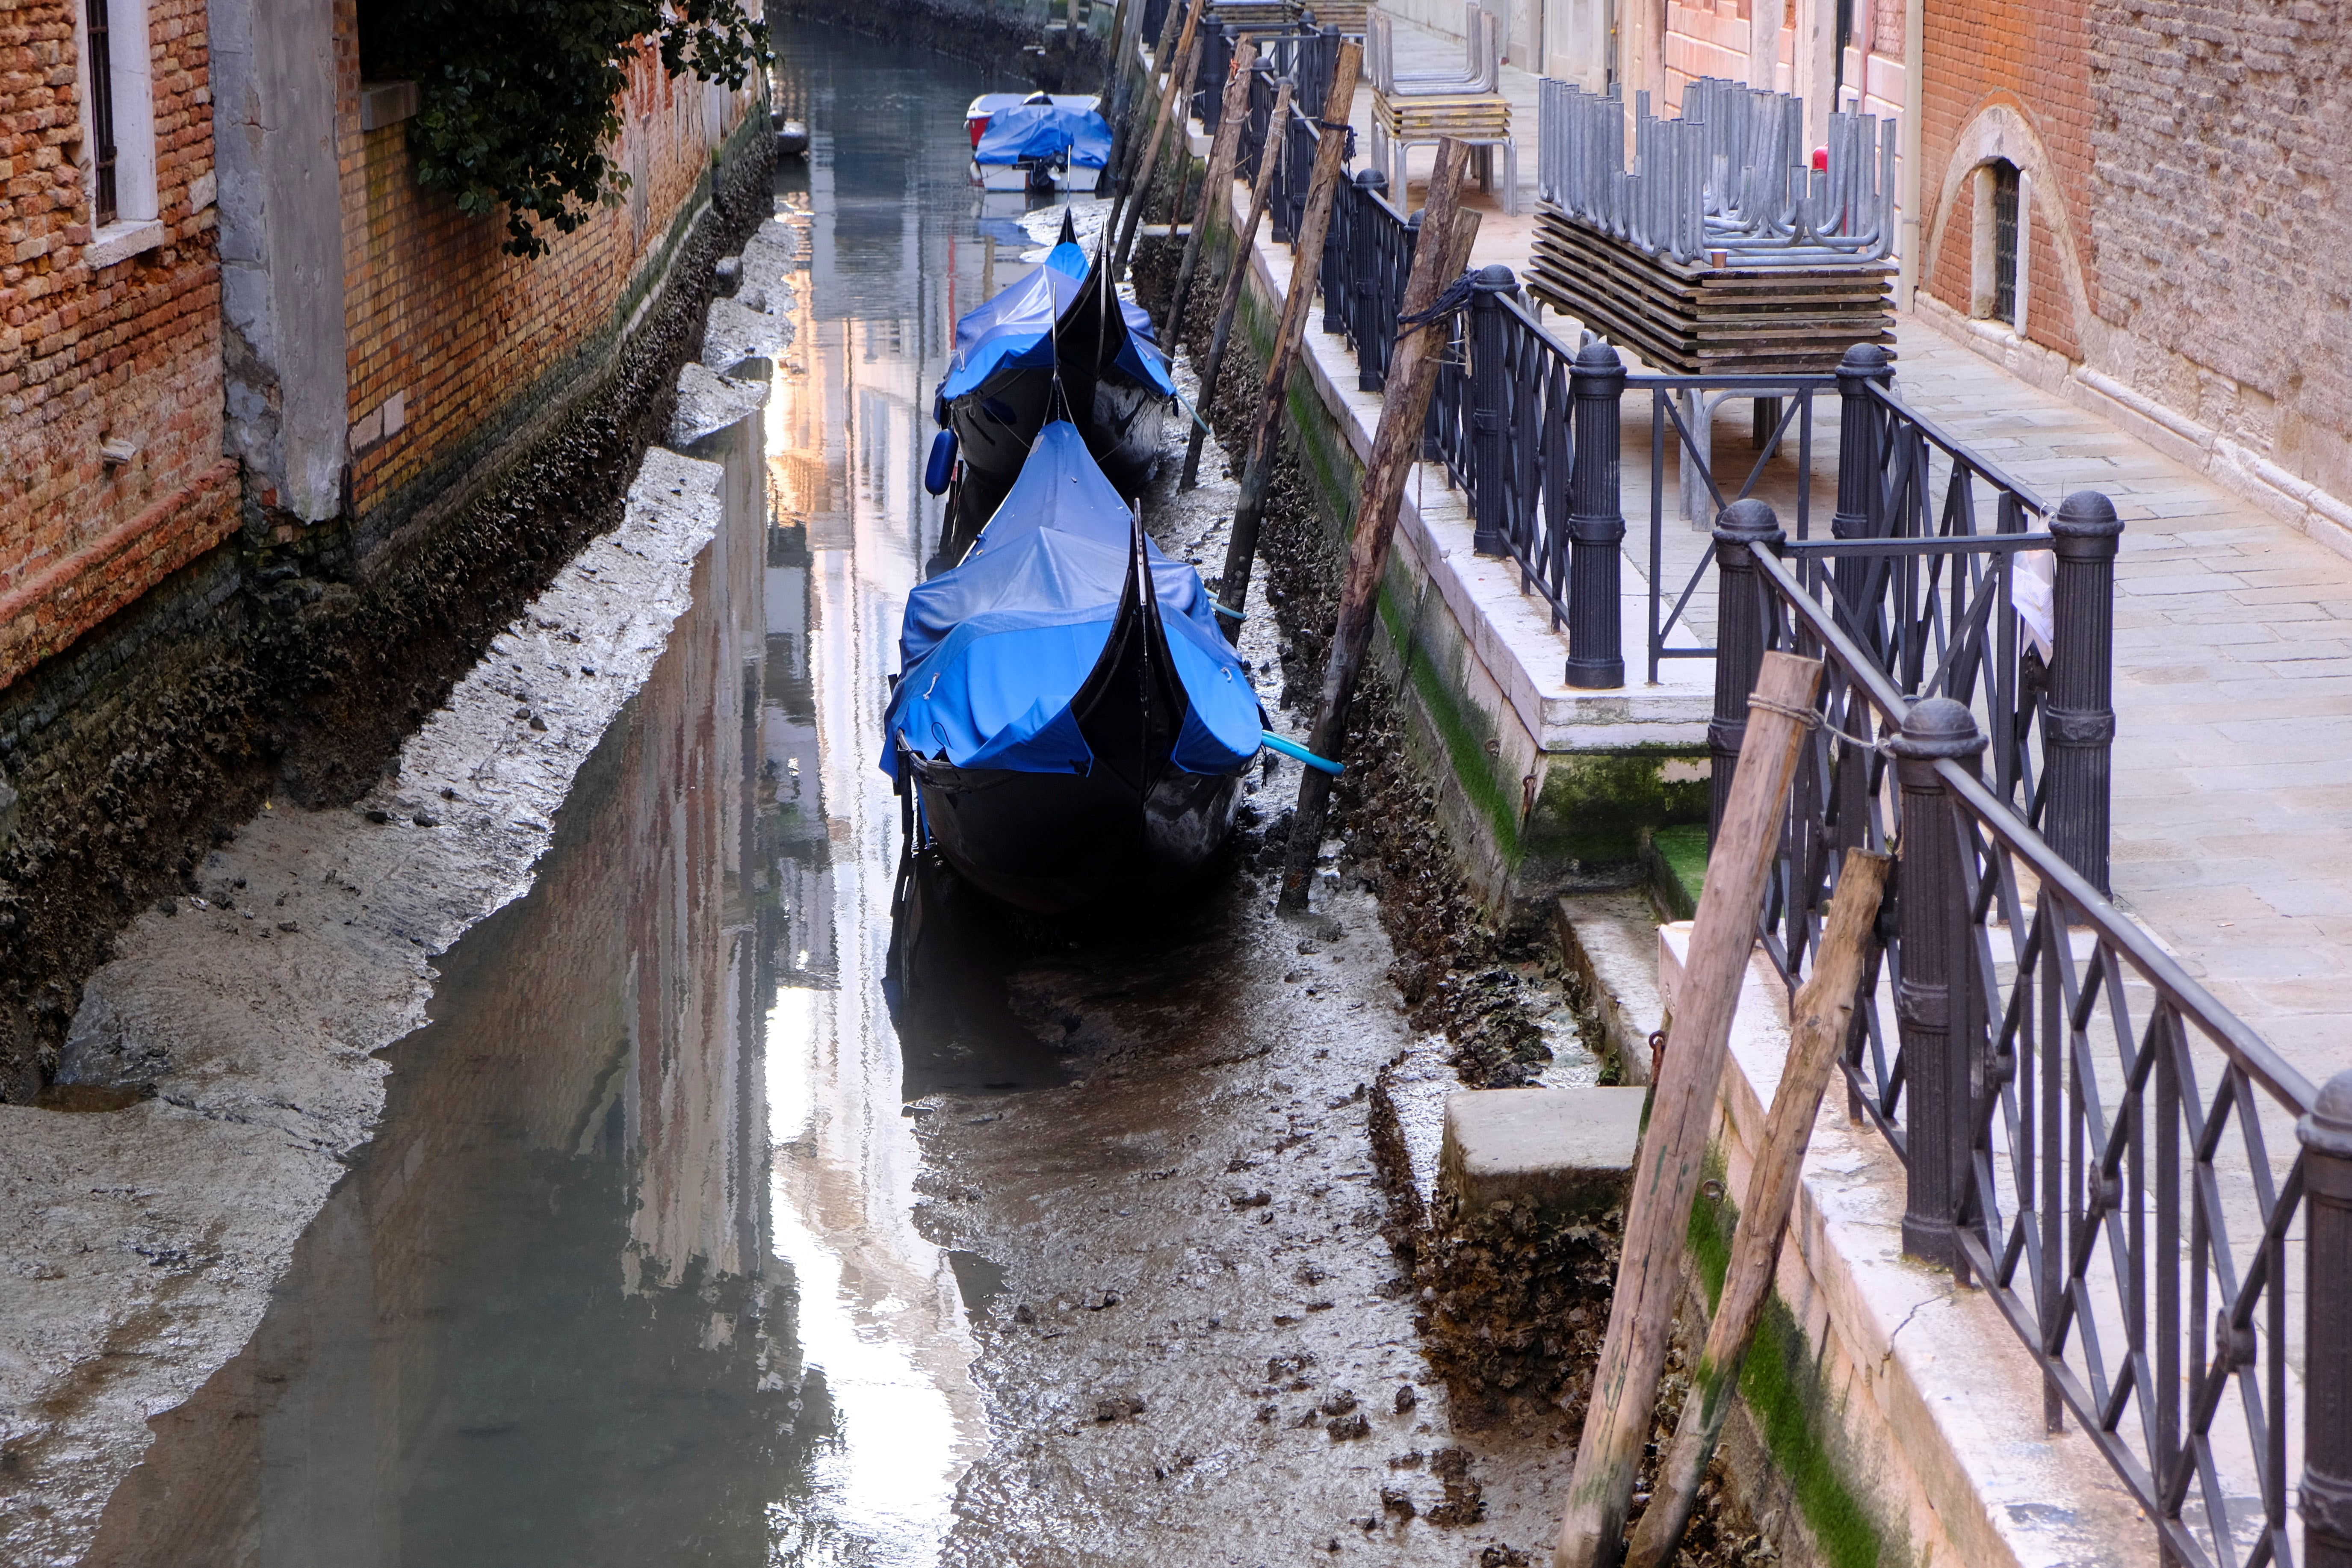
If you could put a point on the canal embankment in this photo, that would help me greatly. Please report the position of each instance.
(1859, 1439)
(276, 671)
(222, 1071)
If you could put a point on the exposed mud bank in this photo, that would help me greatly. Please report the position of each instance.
(227, 1049)
(1510, 1307)
(297, 677)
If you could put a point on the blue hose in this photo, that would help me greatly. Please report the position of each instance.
(1292, 749)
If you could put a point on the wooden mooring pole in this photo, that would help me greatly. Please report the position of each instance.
(1818, 1024)
(1123, 154)
(1305, 262)
(1446, 235)
(1672, 1159)
(1237, 275)
(1172, 115)
(1217, 187)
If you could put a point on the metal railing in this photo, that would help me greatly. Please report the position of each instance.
(2087, 1134)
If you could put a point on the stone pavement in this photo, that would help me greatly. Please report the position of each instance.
(2233, 652)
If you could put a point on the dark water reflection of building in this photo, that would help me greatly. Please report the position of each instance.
(539, 1322)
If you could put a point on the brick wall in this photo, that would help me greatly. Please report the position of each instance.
(447, 335)
(1705, 38)
(129, 350)
(2027, 60)
(2222, 241)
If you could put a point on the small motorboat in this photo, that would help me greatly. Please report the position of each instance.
(792, 136)
(1061, 334)
(1067, 716)
(1044, 141)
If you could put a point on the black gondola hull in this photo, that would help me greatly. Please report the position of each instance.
(1121, 418)
(1053, 843)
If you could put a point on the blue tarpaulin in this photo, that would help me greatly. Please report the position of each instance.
(1016, 327)
(1044, 130)
(1142, 357)
(993, 651)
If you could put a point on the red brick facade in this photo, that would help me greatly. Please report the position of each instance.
(125, 351)
(446, 336)
(2010, 78)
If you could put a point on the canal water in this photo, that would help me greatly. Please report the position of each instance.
(630, 1273)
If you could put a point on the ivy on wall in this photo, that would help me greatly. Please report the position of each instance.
(519, 100)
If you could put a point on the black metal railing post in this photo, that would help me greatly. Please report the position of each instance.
(1596, 522)
(1859, 422)
(2078, 727)
(1932, 1000)
(1339, 249)
(2327, 1135)
(1363, 285)
(1740, 529)
(1489, 397)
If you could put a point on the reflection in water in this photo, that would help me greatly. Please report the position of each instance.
(537, 1323)
(630, 1273)
(582, 1301)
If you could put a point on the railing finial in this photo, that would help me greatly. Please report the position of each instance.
(1489, 399)
(1934, 1000)
(1740, 529)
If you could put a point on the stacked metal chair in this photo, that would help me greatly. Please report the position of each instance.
(1422, 107)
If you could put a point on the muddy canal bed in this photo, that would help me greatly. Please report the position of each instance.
(601, 1166)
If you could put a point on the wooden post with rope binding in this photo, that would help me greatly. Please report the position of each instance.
(1237, 275)
(1447, 234)
(1672, 1159)
(1818, 1020)
(1306, 263)
(1217, 187)
(1172, 115)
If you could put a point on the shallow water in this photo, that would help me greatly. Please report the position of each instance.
(630, 1272)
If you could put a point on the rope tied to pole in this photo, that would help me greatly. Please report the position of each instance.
(1812, 719)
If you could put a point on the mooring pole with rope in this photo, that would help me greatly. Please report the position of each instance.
(1217, 187)
(1307, 261)
(1173, 119)
(1430, 302)
(1236, 274)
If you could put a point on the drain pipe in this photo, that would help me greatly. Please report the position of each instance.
(1915, 69)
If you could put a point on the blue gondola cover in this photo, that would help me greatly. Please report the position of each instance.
(994, 651)
(1044, 130)
(1016, 328)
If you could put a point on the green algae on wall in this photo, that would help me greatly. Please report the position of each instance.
(1786, 1398)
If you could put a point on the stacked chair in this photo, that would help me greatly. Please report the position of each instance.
(1411, 108)
(1348, 16)
(1254, 16)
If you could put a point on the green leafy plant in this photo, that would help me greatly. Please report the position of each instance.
(519, 99)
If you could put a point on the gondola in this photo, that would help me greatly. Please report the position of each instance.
(1068, 724)
(1044, 142)
(1062, 331)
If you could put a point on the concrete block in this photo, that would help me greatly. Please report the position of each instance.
(1569, 1150)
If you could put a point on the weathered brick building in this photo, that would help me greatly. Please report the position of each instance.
(249, 373)
(110, 318)
(2133, 201)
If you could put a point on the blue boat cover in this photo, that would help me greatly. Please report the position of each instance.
(1142, 357)
(1042, 130)
(1016, 328)
(992, 652)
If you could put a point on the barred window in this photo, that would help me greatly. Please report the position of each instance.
(101, 113)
